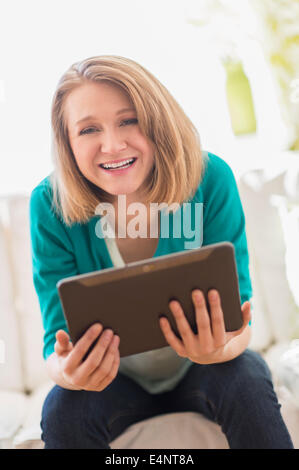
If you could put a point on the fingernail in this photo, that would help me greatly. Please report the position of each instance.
(213, 294)
(96, 328)
(198, 294)
(108, 334)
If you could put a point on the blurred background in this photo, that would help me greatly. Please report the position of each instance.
(233, 66)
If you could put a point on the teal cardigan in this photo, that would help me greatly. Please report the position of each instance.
(59, 251)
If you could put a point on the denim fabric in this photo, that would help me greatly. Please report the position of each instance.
(238, 395)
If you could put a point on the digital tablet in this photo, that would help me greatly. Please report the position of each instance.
(130, 299)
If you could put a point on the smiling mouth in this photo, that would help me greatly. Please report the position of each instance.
(118, 166)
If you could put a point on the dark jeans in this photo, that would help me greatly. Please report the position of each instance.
(238, 395)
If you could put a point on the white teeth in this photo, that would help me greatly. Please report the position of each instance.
(116, 165)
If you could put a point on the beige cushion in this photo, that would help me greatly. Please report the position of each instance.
(186, 430)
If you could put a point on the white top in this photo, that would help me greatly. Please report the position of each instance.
(156, 371)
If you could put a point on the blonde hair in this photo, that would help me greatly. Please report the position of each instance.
(179, 163)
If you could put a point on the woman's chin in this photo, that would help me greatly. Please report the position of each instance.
(122, 190)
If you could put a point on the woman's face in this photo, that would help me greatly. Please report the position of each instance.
(103, 129)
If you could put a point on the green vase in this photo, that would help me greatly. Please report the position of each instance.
(239, 99)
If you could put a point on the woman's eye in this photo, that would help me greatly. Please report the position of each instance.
(130, 121)
(88, 130)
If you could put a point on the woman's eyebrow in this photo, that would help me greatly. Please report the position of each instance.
(120, 111)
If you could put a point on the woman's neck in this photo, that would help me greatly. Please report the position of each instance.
(145, 221)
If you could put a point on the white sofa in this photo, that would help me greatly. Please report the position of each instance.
(23, 380)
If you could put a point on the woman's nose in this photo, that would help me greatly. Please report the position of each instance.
(112, 142)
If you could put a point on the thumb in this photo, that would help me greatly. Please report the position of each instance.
(246, 313)
(246, 310)
(63, 343)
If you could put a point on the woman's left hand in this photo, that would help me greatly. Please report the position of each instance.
(210, 343)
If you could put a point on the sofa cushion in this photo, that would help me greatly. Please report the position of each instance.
(13, 409)
(11, 377)
(27, 305)
(185, 430)
(30, 431)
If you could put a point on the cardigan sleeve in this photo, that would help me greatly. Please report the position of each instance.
(223, 217)
(52, 259)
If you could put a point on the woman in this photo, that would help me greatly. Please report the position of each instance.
(119, 132)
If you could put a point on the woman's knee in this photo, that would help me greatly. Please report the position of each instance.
(67, 416)
(60, 410)
(252, 365)
(248, 374)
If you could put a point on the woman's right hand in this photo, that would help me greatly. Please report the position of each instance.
(100, 367)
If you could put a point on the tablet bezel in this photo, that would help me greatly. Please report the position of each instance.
(82, 288)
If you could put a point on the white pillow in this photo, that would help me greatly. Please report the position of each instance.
(262, 335)
(262, 332)
(288, 211)
(267, 244)
(11, 377)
